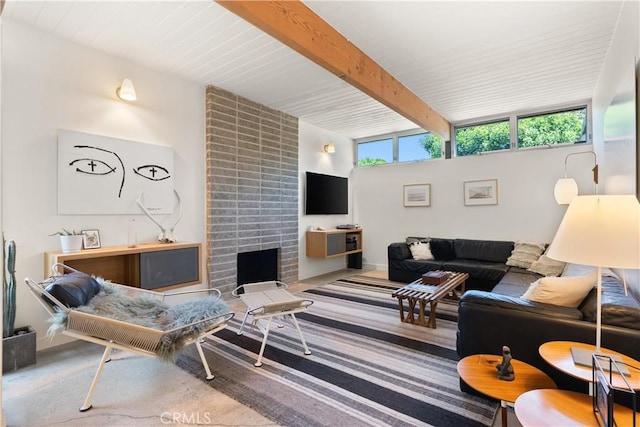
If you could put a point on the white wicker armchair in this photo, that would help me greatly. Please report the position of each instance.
(145, 340)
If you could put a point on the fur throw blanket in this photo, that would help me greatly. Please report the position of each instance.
(150, 312)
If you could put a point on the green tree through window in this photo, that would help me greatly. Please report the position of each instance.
(566, 127)
(484, 137)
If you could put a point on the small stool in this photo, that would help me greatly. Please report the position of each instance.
(266, 300)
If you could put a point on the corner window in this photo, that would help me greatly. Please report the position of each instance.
(475, 139)
(379, 152)
(565, 127)
(417, 147)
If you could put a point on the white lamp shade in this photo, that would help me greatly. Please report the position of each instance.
(330, 148)
(601, 230)
(126, 91)
(565, 190)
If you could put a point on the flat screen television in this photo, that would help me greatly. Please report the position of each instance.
(326, 195)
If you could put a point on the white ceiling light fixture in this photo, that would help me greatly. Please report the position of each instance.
(126, 91)
(329, 148)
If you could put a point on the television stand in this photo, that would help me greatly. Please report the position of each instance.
(336, 242)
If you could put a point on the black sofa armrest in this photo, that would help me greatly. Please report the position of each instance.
(399, 251)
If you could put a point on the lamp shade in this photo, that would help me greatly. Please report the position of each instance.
(126, 91)
(601, 230)
(329, 148)
(565, 190)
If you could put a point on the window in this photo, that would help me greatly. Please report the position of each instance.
(420, 146)
(409, 146)
(377, 152)
(565, 127)
(483, 137)
(568, 126)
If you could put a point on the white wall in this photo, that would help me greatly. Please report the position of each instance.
(622, 59)
(526, 208)
(51, 84)
(311, 157)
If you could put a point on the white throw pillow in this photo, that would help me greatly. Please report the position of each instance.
(421, 251)
(563, 291)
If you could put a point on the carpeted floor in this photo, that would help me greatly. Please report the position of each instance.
(366, 367)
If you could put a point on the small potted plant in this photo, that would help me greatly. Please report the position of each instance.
(70, 241)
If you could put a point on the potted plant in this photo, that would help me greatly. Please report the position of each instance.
(18, 344)
(70, 241)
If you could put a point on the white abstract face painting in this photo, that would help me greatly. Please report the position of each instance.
(103, 175)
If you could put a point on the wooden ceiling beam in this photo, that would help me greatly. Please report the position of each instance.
(298, 27)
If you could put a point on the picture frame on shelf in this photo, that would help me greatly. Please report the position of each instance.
(416, 195)
(91, 239)
(483, 192)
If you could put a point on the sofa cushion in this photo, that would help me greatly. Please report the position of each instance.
(515, 283)
(411, 240)
(482, 250)
(547, 266)
(506, 302)
(524, 254)
(563, 291)
(442, 249)
(420, 251)
(618, 309)
(398, 251)
(480, 270)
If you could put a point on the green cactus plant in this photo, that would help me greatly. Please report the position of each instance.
(9, 287)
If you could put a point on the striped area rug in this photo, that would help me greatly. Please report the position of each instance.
(366, 367)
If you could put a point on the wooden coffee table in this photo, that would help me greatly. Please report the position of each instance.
(564, 408)
(480, 373)
(418, 293)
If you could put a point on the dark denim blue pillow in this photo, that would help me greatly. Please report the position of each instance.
(73, 289)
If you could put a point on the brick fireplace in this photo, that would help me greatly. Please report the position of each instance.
(252, 186)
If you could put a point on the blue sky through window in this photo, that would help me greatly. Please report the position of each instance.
(382, 149)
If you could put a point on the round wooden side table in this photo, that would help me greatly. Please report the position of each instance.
(480, 373)
(558, 355)
(554, 408)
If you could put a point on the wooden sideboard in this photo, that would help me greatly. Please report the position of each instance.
(149, 266)
(334, 243)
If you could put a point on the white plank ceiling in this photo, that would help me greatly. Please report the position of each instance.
(466, 59)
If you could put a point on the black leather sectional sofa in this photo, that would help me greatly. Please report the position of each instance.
(489, 320)
(492, 314)
(484, 260)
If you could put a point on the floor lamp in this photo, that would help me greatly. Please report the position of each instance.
(601, 231)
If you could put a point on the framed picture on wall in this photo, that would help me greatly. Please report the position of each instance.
(417, 195)
(483, 192)
(91, 239)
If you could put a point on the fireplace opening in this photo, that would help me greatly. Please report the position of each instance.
(257, 266)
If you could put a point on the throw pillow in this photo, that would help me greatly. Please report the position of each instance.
(73, 289)
(563, 291)
(547, 266)
(421, 251)
(411, 240)
(524, 254)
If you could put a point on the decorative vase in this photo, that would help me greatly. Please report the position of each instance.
(71, 243)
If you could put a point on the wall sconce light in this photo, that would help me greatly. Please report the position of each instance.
(126, 91)
(566, 188)
(329, 148)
